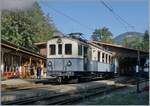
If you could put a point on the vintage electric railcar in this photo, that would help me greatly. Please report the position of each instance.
(72, 57)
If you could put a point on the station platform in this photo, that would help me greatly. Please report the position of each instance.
(24, 81)
(10, 84)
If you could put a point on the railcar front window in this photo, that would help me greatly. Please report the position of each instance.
(52, 49)
(68, 49)
(80, 50)
(59, 48)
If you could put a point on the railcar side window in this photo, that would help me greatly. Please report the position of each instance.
(52, 49)
(102, 57)
(109, 59)
(98, 56)
(59, 48)
(68, 49)
(80, 50)
(106, 58)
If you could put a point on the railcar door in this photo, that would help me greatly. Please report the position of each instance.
(85, 60)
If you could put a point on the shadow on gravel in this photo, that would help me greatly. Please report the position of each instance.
(47, 93)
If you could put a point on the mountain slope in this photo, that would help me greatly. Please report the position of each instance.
(130, 35)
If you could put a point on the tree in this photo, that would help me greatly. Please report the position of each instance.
(125, 41)
(103, 35)
(23, 28)
(44, 23)
(137, 42)
(18, 28)
(146, 41)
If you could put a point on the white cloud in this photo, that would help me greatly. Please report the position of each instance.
(15, 4)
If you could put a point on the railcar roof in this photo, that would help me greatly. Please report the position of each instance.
(71, 37)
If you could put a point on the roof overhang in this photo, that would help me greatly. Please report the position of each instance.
(9, 45)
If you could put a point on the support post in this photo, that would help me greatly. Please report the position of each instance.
(138, 73)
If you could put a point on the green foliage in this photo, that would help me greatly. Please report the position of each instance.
(125, 41)
(16, 28)
(103, 35)
(44, 24)
(146, 41)
(23, 28)
(137, 43)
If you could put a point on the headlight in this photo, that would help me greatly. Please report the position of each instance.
(50, 64)
(69, 63)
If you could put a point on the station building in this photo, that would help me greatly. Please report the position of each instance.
(20, 62)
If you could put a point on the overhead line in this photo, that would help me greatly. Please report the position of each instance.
(110, 9)
(69, 17)
(118, 17)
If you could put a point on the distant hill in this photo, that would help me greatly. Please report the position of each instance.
(131, 35)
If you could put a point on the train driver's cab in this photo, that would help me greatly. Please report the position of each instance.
(65, 48)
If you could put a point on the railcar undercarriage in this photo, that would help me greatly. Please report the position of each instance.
(66, 76)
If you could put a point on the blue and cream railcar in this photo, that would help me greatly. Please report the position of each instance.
(70, 57)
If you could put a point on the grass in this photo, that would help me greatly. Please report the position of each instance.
(130, 98)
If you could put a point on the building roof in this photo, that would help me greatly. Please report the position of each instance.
(116, 46)
(40, 43)
(10, 45)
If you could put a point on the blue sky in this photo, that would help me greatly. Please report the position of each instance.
(92, 14)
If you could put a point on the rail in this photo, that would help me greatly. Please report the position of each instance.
(62, 98)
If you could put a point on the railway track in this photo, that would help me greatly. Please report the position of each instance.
(82, 96)
(63, 98)
(32, 99)
(133, 81)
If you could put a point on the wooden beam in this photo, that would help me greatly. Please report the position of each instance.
(27, 52)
